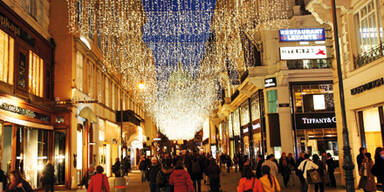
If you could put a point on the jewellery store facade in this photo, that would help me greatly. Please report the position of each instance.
(27, 135)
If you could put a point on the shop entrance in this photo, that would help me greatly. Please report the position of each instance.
(371, 121)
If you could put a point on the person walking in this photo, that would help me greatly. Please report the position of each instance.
(321, 170)
(284, 168)
(48, 177)
(378, 168)
(268, 181)
(236, 162)
(249, 183)
(299, 173)
(180, 179)
(162, 178)
(213, 173)
(331, 170)
(196, 173)
(229, 163)
(143, 169)
(259, 162)
(367, 179)
(17, 183)
(361, 156)
(116, 168)
(99, 181)
(304, 166)
(271, 163)
(152, 174)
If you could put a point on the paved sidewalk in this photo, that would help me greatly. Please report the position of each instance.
(229, 183)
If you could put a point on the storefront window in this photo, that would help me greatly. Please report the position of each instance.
(372, 129)
(6, 57)
(244, 112)
(236, 122)
(272, 101)
(59, 154)
(313, 98)
(6, 147)
(36, 74)
(255, 107)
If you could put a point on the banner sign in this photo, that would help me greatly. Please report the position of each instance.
(315, 120)
(270, 82)
(315, 34)
(303, 52)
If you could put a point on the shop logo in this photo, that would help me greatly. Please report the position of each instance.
(270, 82)
(367, 86)
(308, 34)
(303, 52)
(321, 52)
(319, 120)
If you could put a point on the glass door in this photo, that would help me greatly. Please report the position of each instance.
(6, 146)
(59, 155)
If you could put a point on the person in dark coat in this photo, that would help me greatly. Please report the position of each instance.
(318, 162)
(3, 179)
(229, 163)
(152, 174)
(331, 170)
(48, 177)
(214, 176)
(116, 168)
(360, 158)
(378, 167)
(284, 168)
(259, 162)
(196, 173)
(367, 179)
(162, 178)
(299, 173)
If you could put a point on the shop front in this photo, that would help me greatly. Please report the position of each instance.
(314, 117)
(26, 138)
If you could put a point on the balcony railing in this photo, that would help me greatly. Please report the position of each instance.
(310, 64)
(369, 56)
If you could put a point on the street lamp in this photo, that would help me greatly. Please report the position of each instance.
(141, 85)
(348, 164)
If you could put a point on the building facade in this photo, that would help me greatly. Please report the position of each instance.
(283, 87)
(360, 26)
(27, 117)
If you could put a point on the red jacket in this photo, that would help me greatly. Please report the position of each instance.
(181, 181)
(95, 185)
(246, 184)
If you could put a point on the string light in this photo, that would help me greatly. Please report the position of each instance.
(177, 50)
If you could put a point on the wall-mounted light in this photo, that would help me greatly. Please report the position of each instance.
(141, 85)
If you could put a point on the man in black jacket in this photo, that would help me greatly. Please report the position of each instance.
(152, 174)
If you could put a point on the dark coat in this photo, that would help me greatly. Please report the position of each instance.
(196, 175)
(213, 171)
(48, 177)
(152, 173)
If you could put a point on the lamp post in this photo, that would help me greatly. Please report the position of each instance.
(348, 164)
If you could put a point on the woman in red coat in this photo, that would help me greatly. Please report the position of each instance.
(99, 182)
(180, 179)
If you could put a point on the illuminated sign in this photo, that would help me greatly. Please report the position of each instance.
(315, 120)
(315, 34)
(270, 82)
(303, 52)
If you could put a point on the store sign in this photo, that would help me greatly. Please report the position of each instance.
(303, 52)
(315, 120)
(367, 86)
(312, 34)
(16, 30)
(21, 111)
(270, 82)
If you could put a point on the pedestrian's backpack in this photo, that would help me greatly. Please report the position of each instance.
(196, 166)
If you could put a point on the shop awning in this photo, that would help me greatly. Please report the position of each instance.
(129, 116)
(88, 114)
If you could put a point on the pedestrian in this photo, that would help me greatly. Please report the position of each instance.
(367, 179)
(87, 177)
(378, 168)
(259, 162)
(180, 179)
(152, 174)
(162, 179)
(18, 183)
(3, 179)
(361, 156)
(214, 176)
(196, 174)
(321, 170)
(331, 170)
(143, 169)
(229, 163)
(249, 183)
(270, 162)
(299, 173)
(284, 168)
(304, 166)
(99, 181)
(48, 177)
(236, 161)
(116, 168)
(125, 166)
(268, 181)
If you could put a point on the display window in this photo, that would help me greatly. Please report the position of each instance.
(371, 129)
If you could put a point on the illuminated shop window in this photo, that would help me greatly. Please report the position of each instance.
(79, 71)
(36, 74)
(272, 101)
(6, 57)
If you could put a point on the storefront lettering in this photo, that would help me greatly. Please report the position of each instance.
(16, 30)
(367, 86)
(319, 120)
(24, 112)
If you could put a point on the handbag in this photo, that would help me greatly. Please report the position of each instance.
(313, 176)
(251, 189)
